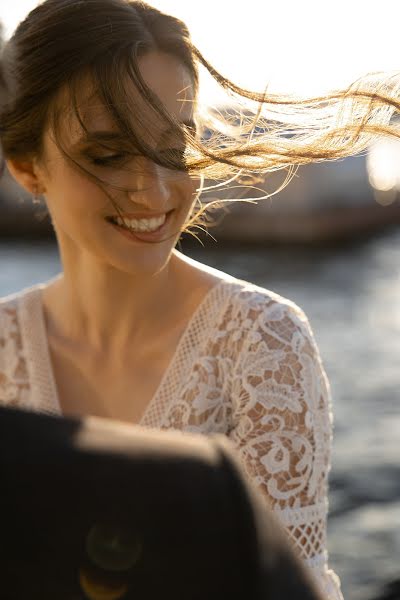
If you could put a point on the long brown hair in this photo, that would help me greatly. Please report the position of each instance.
(61, 41)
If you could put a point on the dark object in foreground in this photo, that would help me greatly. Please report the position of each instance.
(390, 592)
(102, 510)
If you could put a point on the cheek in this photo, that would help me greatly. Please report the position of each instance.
(73, 197)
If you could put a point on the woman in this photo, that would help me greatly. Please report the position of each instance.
(100, 118)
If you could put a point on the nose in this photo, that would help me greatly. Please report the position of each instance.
(150, 186)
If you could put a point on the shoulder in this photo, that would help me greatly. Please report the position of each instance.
(8, 312)
(258, 322)
(11, 301)
(11, 305)
(15, 314)
(256, 307)
(261, 298)
(9, 323)
(276, 358)
(238, 296)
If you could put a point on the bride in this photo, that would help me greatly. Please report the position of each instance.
(100, 117)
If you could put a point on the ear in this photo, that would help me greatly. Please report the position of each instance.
(25, 172)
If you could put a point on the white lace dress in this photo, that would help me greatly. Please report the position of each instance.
(246, 366)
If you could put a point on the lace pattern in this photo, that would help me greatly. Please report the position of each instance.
(14, 382)
(259, 379)
(248, 367)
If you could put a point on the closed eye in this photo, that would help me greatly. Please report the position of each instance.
(175, 155)
(111, 159)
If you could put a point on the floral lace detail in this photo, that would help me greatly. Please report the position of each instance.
(259, 379)
(248, 367)
(14, 386)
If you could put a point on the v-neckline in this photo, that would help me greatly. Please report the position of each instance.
(191, 341)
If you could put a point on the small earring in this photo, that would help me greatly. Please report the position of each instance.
(36, 195)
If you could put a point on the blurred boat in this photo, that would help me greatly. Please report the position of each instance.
(325, 202)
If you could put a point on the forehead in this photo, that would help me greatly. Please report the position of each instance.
(167, 78)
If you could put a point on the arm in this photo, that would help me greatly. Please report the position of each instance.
(282, 427)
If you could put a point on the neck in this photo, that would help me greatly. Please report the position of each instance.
(107, 310)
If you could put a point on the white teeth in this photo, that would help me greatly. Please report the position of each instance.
(141, 225)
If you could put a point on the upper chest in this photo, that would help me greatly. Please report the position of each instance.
(123, 384)
(174, 378)
(118, 389)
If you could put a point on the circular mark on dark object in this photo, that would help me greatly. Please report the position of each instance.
(113, 546)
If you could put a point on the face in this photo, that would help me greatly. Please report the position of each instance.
(154, 201)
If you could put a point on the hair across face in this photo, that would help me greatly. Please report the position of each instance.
(97, 189)
(69, 58)
(64, 42)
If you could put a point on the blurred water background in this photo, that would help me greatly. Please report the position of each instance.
(330, 242)
(351, 294)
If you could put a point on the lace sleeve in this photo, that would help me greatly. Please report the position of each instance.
(14, 386)
(282, 424)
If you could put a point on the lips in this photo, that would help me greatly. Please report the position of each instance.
(151, 236)
(139, 216)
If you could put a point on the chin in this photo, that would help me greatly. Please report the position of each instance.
(145, 264)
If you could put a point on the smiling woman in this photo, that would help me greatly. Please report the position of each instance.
(85, 155)
(100, 116)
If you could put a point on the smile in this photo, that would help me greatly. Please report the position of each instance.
(150, 230)
(140, 225)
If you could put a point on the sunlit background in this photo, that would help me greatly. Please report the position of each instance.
(330, 242)
(303, 47)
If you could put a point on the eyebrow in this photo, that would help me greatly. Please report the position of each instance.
(112, 136)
